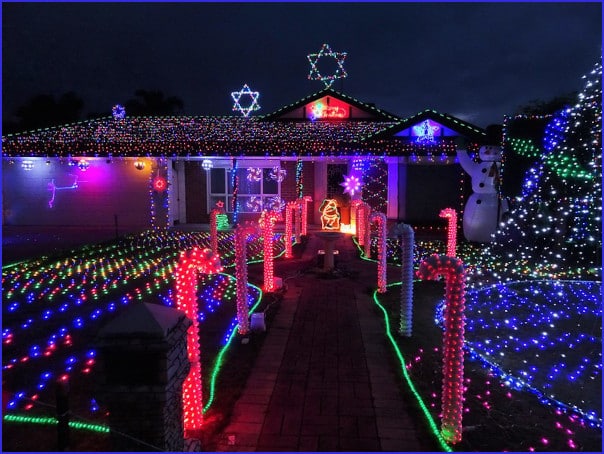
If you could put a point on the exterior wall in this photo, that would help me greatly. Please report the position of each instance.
(196, 193)
(90, 198)
(429, 189)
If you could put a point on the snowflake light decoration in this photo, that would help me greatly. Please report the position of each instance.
(118, 111)
(278, 174)
(254, 174)
(351, 184)
(327, 52)
(276, 203)
(254, 204)
(236, 95)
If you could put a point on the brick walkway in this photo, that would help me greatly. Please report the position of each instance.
(324, 379)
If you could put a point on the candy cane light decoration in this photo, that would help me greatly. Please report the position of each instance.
(267, 224)
(289, 214)
(190, 263)
(453, 339)
(214, 225)
(241, 233)
(380, 219)
(304, 201)
(451, 215)
(407, 236)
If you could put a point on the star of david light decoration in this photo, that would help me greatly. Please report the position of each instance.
(327, 52)
(236, 95)
(351, 184)
(118, 111)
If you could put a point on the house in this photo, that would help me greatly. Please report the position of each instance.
(161, 171)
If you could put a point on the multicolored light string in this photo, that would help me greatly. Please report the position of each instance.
(241, 234)
(405, 232)
(289, 215)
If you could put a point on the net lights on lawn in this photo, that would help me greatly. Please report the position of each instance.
(189, 265)
(380, 219)
(451, 215)
(453, 339)
(326, 52)
(267, 224)
(244, 92)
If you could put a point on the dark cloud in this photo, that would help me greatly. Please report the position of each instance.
(479, 60)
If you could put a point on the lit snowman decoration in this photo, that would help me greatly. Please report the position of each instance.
(483, 210)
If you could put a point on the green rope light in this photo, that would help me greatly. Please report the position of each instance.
(53, 422)
(421, 403)
(218, 361)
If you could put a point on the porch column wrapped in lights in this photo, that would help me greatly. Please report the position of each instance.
(304, 202)
(453, 339)
(289, 214)
(189, 264)
(366, 212)
(405, 232)
(451, 215)
(267, 224)
(380, 218)
(298, 222)
(356, 209)
(241, 233)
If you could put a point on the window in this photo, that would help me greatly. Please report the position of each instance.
(256, 190)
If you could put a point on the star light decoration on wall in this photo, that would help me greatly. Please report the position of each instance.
(236, 95)
(327, 52)
(351, 184)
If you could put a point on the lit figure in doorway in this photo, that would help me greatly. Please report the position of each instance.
(330, 216)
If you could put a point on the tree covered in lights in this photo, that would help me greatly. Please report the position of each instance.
(554, 228)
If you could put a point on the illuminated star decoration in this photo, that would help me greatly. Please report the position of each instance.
(425, 131)
(351, 184)
(327, 52)
(236, 95)
(118, 112)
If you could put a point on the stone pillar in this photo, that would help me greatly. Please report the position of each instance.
(143, 364)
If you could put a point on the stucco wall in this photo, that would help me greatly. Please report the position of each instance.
(61, 194)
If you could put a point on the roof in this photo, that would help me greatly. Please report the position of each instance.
(463, 128)
(269, 135)
(377, 114)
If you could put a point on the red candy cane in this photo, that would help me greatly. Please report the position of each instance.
(267, 223)
(380, 218)
(451, 215)
(304, 201)
(289, 215)
(241, 234)
(195, 261)
(453, 338)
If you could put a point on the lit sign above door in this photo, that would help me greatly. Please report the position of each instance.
(327, 108)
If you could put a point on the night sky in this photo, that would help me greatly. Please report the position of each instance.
(476, 61)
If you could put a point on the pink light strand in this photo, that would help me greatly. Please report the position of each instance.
(453, 339)
(214, 230)
(241, 233)
(304, 202)
(267, 224)
(380, 219)
(196, 261)
(289, 214)
(451, 215)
